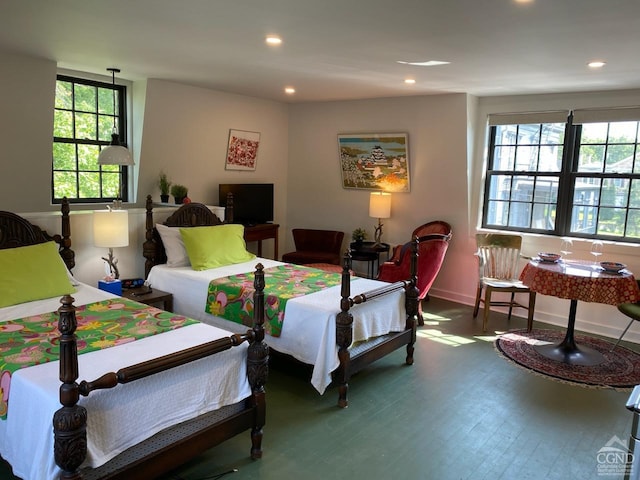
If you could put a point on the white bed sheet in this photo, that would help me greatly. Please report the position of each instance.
(309, 329)
(26, 436)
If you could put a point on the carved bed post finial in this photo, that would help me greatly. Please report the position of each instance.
(344, 332)
(65, 241)
(149, 246)
(70, 421)
(258, 363)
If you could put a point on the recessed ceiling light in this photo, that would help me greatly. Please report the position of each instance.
(273, 40)
(597, 64)
(429, 63)
(289, 90)
(409, 81)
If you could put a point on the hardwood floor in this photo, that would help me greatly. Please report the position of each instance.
(460, 412)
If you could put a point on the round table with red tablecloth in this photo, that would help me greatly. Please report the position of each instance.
(578, 280)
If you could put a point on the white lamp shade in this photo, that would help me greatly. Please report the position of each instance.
(115, 155)
(380, 205)
(111, 228)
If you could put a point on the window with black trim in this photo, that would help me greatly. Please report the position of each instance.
(578, 177)
(83, 123)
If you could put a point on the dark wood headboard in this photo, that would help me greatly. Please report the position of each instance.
(16, 231)
(188, 215)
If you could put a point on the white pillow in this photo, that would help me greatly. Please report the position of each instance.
(173, 246)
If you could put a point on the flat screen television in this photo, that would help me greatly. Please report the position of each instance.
(252, 202)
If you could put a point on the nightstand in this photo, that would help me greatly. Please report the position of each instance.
(155, 297)
(369, 252)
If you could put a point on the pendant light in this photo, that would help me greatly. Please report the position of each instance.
(115, 153)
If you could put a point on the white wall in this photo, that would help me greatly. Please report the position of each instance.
(436, 127)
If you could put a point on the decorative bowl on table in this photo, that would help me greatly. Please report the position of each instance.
(613, 267)
(548, 257)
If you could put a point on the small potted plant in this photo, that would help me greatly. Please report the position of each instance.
(359, 235)
(179, 192)
(165, 187)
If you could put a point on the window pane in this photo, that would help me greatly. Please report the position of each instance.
(586, 191)
(544, 217)
(623, 132)
(110, 184)
(500, 188)
(64, 95)
(85, 126)
(611, 221)
(88, 157)
(527, 158)
(105, 128)
(546, 189)
(614, 192)
(634, 198)
(529, 134)
(64, 156)
(504, 158)
(591, 158)
(89, 185)
(63, 124)
(85, 98)
(620, 158)
(633, 224)
(583, 219)
(65, 185)
(551, 158)
(105, 101)
(520, 215)
(497, 213)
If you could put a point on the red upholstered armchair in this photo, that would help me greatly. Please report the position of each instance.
(435, 226)
(315, 246)
(431, 251)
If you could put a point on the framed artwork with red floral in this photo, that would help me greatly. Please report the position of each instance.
(242, 152)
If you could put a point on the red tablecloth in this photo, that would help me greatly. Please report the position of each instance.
(580, 280)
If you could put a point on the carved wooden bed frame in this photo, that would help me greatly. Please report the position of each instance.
(167, 449)
(351, 360)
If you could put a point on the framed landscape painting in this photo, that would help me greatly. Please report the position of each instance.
(242, 151)
(375, 161)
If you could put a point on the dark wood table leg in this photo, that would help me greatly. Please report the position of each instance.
(568, 351)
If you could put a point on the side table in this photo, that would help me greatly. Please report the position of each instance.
(154, 297)
(368, 252)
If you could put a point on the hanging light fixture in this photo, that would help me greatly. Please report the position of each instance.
(115, 153)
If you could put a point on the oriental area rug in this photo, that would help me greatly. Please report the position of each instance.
(620, 369)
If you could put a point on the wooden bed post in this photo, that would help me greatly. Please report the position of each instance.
(149, 249)
(411, 301)
(70, 421)
(344, 332)
(258, 364)
(65, 239)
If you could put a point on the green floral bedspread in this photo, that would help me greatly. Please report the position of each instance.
(33, 340)
(232, 297)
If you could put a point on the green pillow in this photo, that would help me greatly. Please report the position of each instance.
(32, 273)
(211, 247)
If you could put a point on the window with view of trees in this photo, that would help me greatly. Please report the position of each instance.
(83, 123)
(579, 177)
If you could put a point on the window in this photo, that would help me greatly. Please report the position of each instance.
(83, 123)
(578, 177)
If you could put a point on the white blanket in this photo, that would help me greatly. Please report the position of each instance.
(26, 436)
(309, 328)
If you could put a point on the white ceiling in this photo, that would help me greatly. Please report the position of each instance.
(337, 50)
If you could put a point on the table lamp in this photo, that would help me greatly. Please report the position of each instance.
(111, 230)
(379, 207)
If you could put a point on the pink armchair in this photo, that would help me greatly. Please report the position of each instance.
(431, 251)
